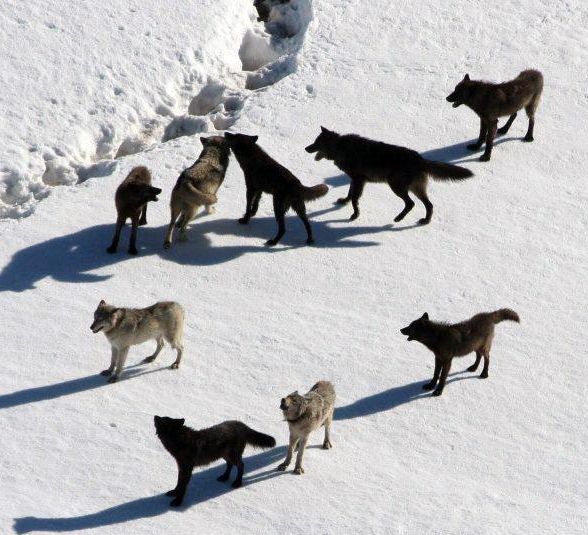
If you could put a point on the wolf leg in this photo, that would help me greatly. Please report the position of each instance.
(474, 366)
(408, 202)
(120, 221)
(143, 219)
(484, 373)
(187, 215)
(433, 382)
(225, 475)
(529, 135)
(489, 140)
(180, 351)
(327, 441)
(444, 372)
(159, 347)
(239, 479)
(184, 476)
(280, 208)
(504, 129)
(255, 203)
(345, 200)
(133, 242)
(298, 466)
(420, 190)
(356, 191)
(113, 359)
(300, 209)
(481, 137)
(175, 213)
(250, 194)
(120, 362)
(291, 445)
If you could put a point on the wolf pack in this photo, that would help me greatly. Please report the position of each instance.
(362, 160)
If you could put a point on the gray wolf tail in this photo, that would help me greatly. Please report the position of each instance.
(505, 314)
(446, 171)
(314, 192)
(259, 440)
(199, 196)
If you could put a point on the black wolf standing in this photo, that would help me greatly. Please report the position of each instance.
(491, 101)
(365, 160)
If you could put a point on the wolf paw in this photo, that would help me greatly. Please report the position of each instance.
(148, 359)
(174, 366)
(399, 218)
(282, 467)
(142, 223)
(113, 379)
(236, 484)
(342, 200)
(429, 386)
(171, 492)
(271, 243)
(310, 241)
(176, 502)
(223, 477)
(327, 445)
(354, 216)
(111, 250)
(474, 146)
(166, 244)
(423, 221)
(472, 368)
(299, 470)
(133, 250)
(484, 158)
(243, 220)
(528, 139)
(484, 375)
(437, 393)
(106, 372)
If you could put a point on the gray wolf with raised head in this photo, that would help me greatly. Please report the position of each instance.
(366, 160)
(190, 448)
(304, 414)
(126, 327)
(447, 340)
(264, 175)
(198, 185)
(131, 200)
(492, 101)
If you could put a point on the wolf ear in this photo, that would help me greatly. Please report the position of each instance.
(466, 78)
(254, 139)
(102, 302)
(204, 140)
(425, 316)
(324, 130)
(182, 421)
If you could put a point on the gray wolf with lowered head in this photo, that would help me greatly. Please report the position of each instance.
(190, 448)
(198, 185)
(366, 160)
(126, 327)
(492, 101)
(457, 340)
(304, 414)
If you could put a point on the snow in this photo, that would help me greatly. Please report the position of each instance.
(504, 455)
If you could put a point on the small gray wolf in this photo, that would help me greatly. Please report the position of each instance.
(191, 448)
(304, 414)
(126, 327)
(131, 200)
(492, 101)
(366, 160)
(457, 340)
(198, 185)
(264, 175)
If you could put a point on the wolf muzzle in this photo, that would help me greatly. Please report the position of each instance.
(94, 329)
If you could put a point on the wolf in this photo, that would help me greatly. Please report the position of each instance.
(366, 160)
(126, 327)
(131, 200)
(492, 101)
(191, 448)
(457, 340)
(304, 414)
(264, 8)
(264, 175)
(197, 185)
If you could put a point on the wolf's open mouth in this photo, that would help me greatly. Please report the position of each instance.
(319, 156)
(96, 330)
(456, 104)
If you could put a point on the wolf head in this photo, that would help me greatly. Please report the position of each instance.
(105, 317)
(293, 405)
(240, 140)
(417, 329)
(215, 141)
(462, 92)
(324, 145)
(164, 425)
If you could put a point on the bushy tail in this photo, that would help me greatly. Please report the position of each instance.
(314, 192)
(446, 171)
(199, 196)
(259, 440)
(505, 314)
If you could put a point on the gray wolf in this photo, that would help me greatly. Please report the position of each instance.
(126, 327)
(197, 185)
(492, 101)
(131, 200)
(457, 340)
(304, 414)
(366, 160)
(191, 448)
(264, 175)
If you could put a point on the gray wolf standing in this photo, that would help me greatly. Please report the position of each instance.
(126, 327)
(457, 340)
(131, 200)
(365, 160)
(492, 101)
(304, 414)
(191, 448)
(264, 175)
(198, 185)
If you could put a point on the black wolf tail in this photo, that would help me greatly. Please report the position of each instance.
(446, 171)
(259, 440)
(505, 314)
(314, 192)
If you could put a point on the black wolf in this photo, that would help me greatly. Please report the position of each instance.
(492, 101)
(191, 448)
(457, 340)
(264, 175)
(366, 160)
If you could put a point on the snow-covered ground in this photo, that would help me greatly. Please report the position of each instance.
(84, 82)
